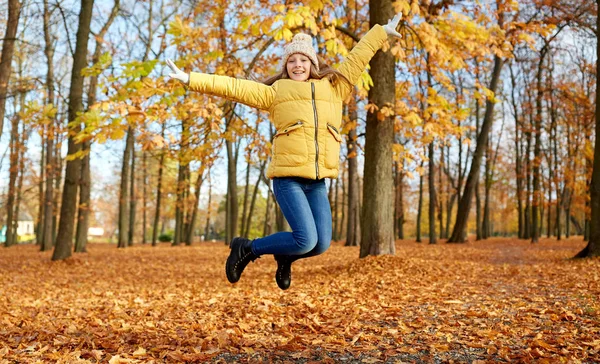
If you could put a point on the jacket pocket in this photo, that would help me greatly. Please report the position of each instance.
(289, 146)
(332, 150)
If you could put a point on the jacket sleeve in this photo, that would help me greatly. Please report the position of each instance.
(356, 61)
(247, 92)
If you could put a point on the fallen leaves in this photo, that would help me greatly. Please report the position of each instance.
(499, 299)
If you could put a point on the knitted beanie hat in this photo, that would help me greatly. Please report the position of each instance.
(301, 43)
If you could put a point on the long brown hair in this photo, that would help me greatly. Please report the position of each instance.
(325, 71)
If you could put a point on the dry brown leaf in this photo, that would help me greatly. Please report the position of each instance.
(518, 302)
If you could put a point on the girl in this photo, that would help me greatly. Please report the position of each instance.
(305, 103)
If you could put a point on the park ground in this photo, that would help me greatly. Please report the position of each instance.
(501, 300)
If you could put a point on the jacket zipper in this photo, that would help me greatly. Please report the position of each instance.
(312, 86)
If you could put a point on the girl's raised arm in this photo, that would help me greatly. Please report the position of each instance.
(356, 61)
(247, 92)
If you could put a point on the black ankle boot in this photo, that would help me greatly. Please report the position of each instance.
(239, 257)
(283, 276)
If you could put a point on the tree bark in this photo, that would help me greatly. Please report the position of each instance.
(190, 231)
(64, 238)
(22, 149)
(537, 152)
(377, 219)
(246, 195)
(478, 219)
(232, 202)
(485, 226)
(207, 232)
(399, 201)
(592, 249)
(58, 164)
(83, 219)
(353, 233)
(144, 196)
(124, 191)
(8, 46)
(179, 205)
(39, 232)
(420, 207)
(267, 228)
(11, 219)
(253, 200)
(132, 197)
(440, 196)
(462, 215)
(518, 162)
(336, 208)
(47, 233)
(161, 164)
(432, 194)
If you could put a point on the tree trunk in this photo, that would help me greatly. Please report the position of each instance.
(64, 238)
(39, 232)
(144, 196)
(253, 201)
(478, 227)
(377, 219)
(11, 219)
(207, 227)
(336, 219)
(246, 195)
(518, 159)
(341, 232)
(420, 208)
(462, 215)
(190, 229)
(267, 228)
(485, 227)
(432, 194)
(83, 218)
(22, 148)
(527, 158)
(232, 202)
(12, 23)
(161, 164)
(399, 201)
(179, 205)
(353, 226)
(440, 197)
(58, 164)
(593, 247)
(537, 153)
(124, 191)
(132, 196)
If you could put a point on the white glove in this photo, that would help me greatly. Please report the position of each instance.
(177, 73)
(390, 27)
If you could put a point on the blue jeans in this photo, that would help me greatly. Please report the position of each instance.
(305, 205)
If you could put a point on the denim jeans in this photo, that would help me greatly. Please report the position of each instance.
(305, 205)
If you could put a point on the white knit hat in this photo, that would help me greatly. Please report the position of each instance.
(301, 43)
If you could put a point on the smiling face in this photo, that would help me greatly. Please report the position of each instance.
(298, 67)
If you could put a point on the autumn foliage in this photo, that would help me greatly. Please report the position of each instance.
(499, 300)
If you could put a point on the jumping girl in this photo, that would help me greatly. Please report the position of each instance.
(305, 103)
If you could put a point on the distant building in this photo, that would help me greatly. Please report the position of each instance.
(25, 228)
(96, 232)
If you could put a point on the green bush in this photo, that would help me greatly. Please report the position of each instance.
(165, 238)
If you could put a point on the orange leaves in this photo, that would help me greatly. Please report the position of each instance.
(486, 301)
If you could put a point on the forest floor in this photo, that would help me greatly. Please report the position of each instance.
(501, 300)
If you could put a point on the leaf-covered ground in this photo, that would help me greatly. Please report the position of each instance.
(501, 300)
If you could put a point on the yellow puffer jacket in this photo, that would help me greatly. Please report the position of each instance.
(307, 115)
